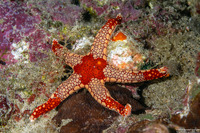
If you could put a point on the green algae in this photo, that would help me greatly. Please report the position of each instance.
(178, 52)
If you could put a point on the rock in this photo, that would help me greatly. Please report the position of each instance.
(88, 115)
(147, 126)
(192, 119)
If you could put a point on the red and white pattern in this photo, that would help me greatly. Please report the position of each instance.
(92, 71)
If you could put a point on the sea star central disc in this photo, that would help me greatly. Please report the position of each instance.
(90, 68)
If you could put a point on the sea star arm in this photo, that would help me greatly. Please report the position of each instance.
(102, 96)
(99, 47)
(70, 58)
(71, 85)
(114, 74)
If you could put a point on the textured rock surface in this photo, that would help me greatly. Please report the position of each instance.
(146, 126)
(192, 120)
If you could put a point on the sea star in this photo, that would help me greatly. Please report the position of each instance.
(92, 71)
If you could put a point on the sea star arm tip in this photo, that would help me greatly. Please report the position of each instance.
(127, 110)
(71, 85)
(70, 58)
(56, 46)
(155, 73)
(119, 18)
(99, 47)
(165, 71)
(42, 109)
(102, 96)
(114, 74)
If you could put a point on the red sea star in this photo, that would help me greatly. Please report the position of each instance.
(92, 71)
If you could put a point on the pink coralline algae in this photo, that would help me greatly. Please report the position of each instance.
(62, 11)
(74, 13)
(38, 41)
(15, 24)
(128, 12)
